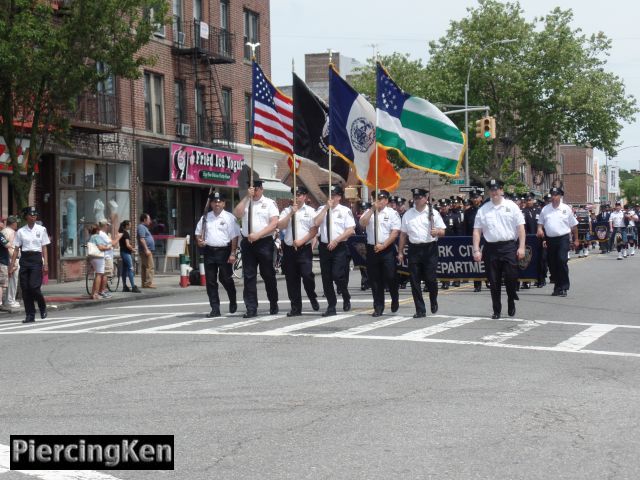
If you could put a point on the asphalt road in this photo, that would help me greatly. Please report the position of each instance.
(551, 394)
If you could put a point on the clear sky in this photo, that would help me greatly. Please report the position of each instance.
(352, 26)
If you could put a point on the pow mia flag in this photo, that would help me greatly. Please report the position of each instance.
(311, 129)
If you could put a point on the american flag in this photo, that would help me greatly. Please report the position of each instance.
(272, 114)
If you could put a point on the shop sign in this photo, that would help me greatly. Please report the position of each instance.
(193, 164)
(22, 146)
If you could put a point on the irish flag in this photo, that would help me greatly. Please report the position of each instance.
(423, 136)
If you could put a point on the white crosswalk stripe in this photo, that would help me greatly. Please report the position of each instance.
(405, 330)
(51, 474)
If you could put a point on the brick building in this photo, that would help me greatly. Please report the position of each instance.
(159, 143)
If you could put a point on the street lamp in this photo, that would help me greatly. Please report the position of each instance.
(466, 104)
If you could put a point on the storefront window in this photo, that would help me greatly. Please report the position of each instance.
(90, 191)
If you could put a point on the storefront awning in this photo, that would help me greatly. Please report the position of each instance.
(276, 189)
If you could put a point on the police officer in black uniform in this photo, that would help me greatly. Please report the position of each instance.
(297, 223)
(475, 199)
(362, 207)
(31, 241)
(217, 235)
(531, 213)
(454, 226)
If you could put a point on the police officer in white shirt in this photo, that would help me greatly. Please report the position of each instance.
(555, 223)
(257, 247)
(381, 259)
(617, 227)
(217, 235)
(31, 241)
(336, 226)
(421, 226)
(501, 223)
(298, 224)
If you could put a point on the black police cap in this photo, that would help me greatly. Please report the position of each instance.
(30, 211)
(556, 191)
(337, 190)
(494, 183)
(419, 192)
(216, 196)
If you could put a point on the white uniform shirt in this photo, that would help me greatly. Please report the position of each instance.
(388, 220)
(221, 229)
(499, 223)
(263, 210)
(31, 239)
(557, 221)
(341, 219)
(304, 222)
(417, 226)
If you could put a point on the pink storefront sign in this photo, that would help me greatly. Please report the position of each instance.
(193, 164)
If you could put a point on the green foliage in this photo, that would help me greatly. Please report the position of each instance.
(631, 189)
(48, 58)
(548, 85)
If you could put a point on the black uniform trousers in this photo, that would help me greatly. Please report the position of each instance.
(542, 262)
(30, 282)
(423, 265)
(501, 260)
(216, 265)
(258, 255)
(382, 271)
(333, 268)
(298, 265)
(558, 258)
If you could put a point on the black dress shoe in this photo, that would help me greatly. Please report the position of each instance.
(562, 293)
(294, 313)
(419, 315)
(434, 307)
(29, 319)
(555, 293)
(250, 314)
(512, 308)
(477, 289)
(525, 285)
(445, 286)
(314, 304)
(541, 284)
(213, 314)
(376, 313)
(233, 307)
(456, 284)
(330, 312)
(395, 305)
(44, 314)
(346, 305)
(495, 316)
(274, 310)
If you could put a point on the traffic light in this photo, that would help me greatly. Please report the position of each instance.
(486, 128)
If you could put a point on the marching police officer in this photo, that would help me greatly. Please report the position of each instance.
(530, 213)
(381, 260)
(558, 221)
(217, 235)
(31, 240)
(501, 223)
(336, 225)
(421, 226)
(257, 247)
(475, 199)
(297, 223)
(362, 207)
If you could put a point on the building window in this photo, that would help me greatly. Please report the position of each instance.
(90, 191)
(251, 33)
(197, 9)
(247, 118)
(177, 21)
(179, 106)
(200, 112)
(523, 173)
(157, 22)
(105, 95)
(153, 103)
(225, 43)
(225, 106)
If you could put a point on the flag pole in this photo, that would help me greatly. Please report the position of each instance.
(330, 160)
(375, 208)
(252, 46)
(295, 178)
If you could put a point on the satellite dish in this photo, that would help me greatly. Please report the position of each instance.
(243, 180)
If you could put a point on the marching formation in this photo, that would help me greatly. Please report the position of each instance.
(398, 232)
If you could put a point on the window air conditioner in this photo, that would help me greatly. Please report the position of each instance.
(184, 129)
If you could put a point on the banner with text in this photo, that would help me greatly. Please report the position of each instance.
(194, 164)
(455, 258)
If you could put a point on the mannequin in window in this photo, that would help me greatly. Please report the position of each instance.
(113, 215)
(72, 225)
(98, 210)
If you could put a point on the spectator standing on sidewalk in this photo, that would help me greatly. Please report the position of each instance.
(98, 263)
(9, 233)
(126, 253)
(105, 226)
(146, 247)
(4, 261)
(31, 243)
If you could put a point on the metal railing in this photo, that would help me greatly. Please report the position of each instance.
(97, 109)
(205, 40)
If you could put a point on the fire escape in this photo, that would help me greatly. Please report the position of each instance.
(198, 49)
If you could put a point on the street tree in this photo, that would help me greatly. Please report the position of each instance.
(545, 82)
(631, 189)
(50, 51)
